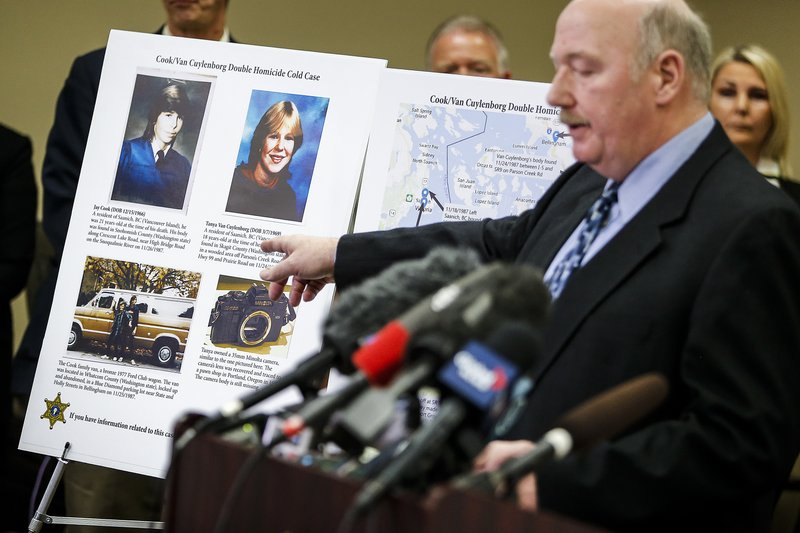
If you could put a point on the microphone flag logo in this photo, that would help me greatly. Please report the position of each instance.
(500, 381)
(479, 375)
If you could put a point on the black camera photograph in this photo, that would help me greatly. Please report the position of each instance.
(244, 317)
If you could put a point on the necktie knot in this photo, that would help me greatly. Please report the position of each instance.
(159, 157)
(593, 222)
(598, 212)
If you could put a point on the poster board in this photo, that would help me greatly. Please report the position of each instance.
(451, 148)
(180, 231)
(447, 148)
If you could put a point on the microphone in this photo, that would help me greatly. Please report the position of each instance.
(319, 409)
(485, 299)
(596, 419)
(454, 307)
(468, 306)
(475, 384)
(358, 312)
(475, 302)
(517, 403)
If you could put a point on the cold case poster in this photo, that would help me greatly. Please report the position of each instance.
(159, 309)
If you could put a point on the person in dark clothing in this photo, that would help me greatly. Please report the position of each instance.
(66, 144)
(17, 235)
(90, 490)
(690, 271)
(117, 336)
(17, 238)
(130, 332)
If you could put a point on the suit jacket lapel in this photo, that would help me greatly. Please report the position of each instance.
(641, 237)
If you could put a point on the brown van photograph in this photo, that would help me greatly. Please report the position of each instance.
(133, 314)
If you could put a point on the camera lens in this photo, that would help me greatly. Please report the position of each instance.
(255, 327)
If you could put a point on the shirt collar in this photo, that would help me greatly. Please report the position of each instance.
(655, 170)
(226, 35)
(155, 150)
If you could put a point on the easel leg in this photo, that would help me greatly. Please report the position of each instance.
(40, 517)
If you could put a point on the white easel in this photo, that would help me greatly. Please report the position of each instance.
(40, 517)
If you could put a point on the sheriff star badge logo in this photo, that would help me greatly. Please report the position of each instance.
(55, 410)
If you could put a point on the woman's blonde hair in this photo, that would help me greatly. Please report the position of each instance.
(776, 144)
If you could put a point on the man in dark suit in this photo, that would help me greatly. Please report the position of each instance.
(66, 144)
(694, 274)
(64, 156)
(17, 238)
(93, 491)
(17, 234)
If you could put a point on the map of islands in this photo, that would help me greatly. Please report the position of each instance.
(450, 164)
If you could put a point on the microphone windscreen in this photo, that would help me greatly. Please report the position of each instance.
(365, 308)
(517, 292)
(518, 341)
(615, 410)
(381, 355)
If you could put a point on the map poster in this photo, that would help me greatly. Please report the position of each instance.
(455, 148)
(197, 152)
(450, 148)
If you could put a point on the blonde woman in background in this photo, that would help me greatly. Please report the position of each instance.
(749, 98)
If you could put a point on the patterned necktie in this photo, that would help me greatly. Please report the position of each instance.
(594, 221)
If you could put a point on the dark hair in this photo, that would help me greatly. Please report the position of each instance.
(279, 114)
(171, 98)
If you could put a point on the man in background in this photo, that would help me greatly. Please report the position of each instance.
(92, 491)
(467, 45)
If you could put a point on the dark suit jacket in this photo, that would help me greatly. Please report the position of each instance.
(702, 286)
(792, 188)
(17, 220)
(17, 239)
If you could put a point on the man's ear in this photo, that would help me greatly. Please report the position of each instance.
(669, 74)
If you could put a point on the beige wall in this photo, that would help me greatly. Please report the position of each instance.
(39, 39)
